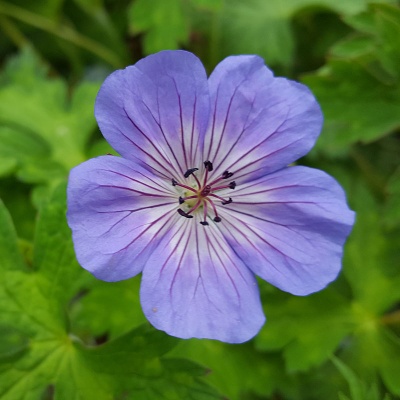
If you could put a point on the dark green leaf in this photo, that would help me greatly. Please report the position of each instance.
(163, 23)
(308, 329)
(263, 27)
(237, 370)
(359, 88)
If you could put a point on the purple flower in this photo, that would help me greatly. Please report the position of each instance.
(202, 199)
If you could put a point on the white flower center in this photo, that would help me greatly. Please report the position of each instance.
(202, 195)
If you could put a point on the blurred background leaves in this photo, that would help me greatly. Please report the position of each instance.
(65, 335)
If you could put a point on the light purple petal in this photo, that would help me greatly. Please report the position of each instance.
(156, 112)
(259, 124)
(195, 286)
(289, 228)
(117, 212)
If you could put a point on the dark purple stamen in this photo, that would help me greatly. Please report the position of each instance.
(232, 185)
(190, 172)
(208, 165)
(204, 223)
(174, 182)
(181, 201)
(229, 201)
(186, 215)
(227, 175)
(217, 219)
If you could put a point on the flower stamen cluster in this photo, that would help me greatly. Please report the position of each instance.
(204, 193)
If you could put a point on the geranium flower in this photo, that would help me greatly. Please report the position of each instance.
(202, 199)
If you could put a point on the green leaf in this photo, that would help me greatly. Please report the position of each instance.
(27, 153)
(41, 129)
(163, 23)
(7, 165)
(24, 145)
(369, 267)
(372, 271)
(53, 255)
(388, 26)
(264, 27)
(357, 389)
(14, 195)
(181, 379)
(237, 370)
(11, 258)
(108, 309)
(359, 88)
(377, 343)
(308, 329)
(211, 5)
(134, 358)
(13, 343)
(23, 305)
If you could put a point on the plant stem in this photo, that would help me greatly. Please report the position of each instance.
(392, 318)
(13, 32)
(374, 178)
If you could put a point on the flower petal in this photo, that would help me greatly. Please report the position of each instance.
(259, 123)
(117, 213)
(195, 286)
(156, 112)
(289, 228)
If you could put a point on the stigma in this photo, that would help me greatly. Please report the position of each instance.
(202, 195)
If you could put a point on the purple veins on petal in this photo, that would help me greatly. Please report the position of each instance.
(115, 211)
(260, 124)
(296, 222)
(200, 287)
(167, 207)
(156, 112)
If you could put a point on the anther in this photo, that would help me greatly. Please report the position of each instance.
(186, 215)
(204, 223)
(217, 219)
(232, 185)
(229, 201)
(227, 175)
(189, 172)
(174, 182)
(181, 200)
(208, 165)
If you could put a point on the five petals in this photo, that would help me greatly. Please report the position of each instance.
(285, 224)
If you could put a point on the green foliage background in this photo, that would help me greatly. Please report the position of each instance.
(65, 335)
